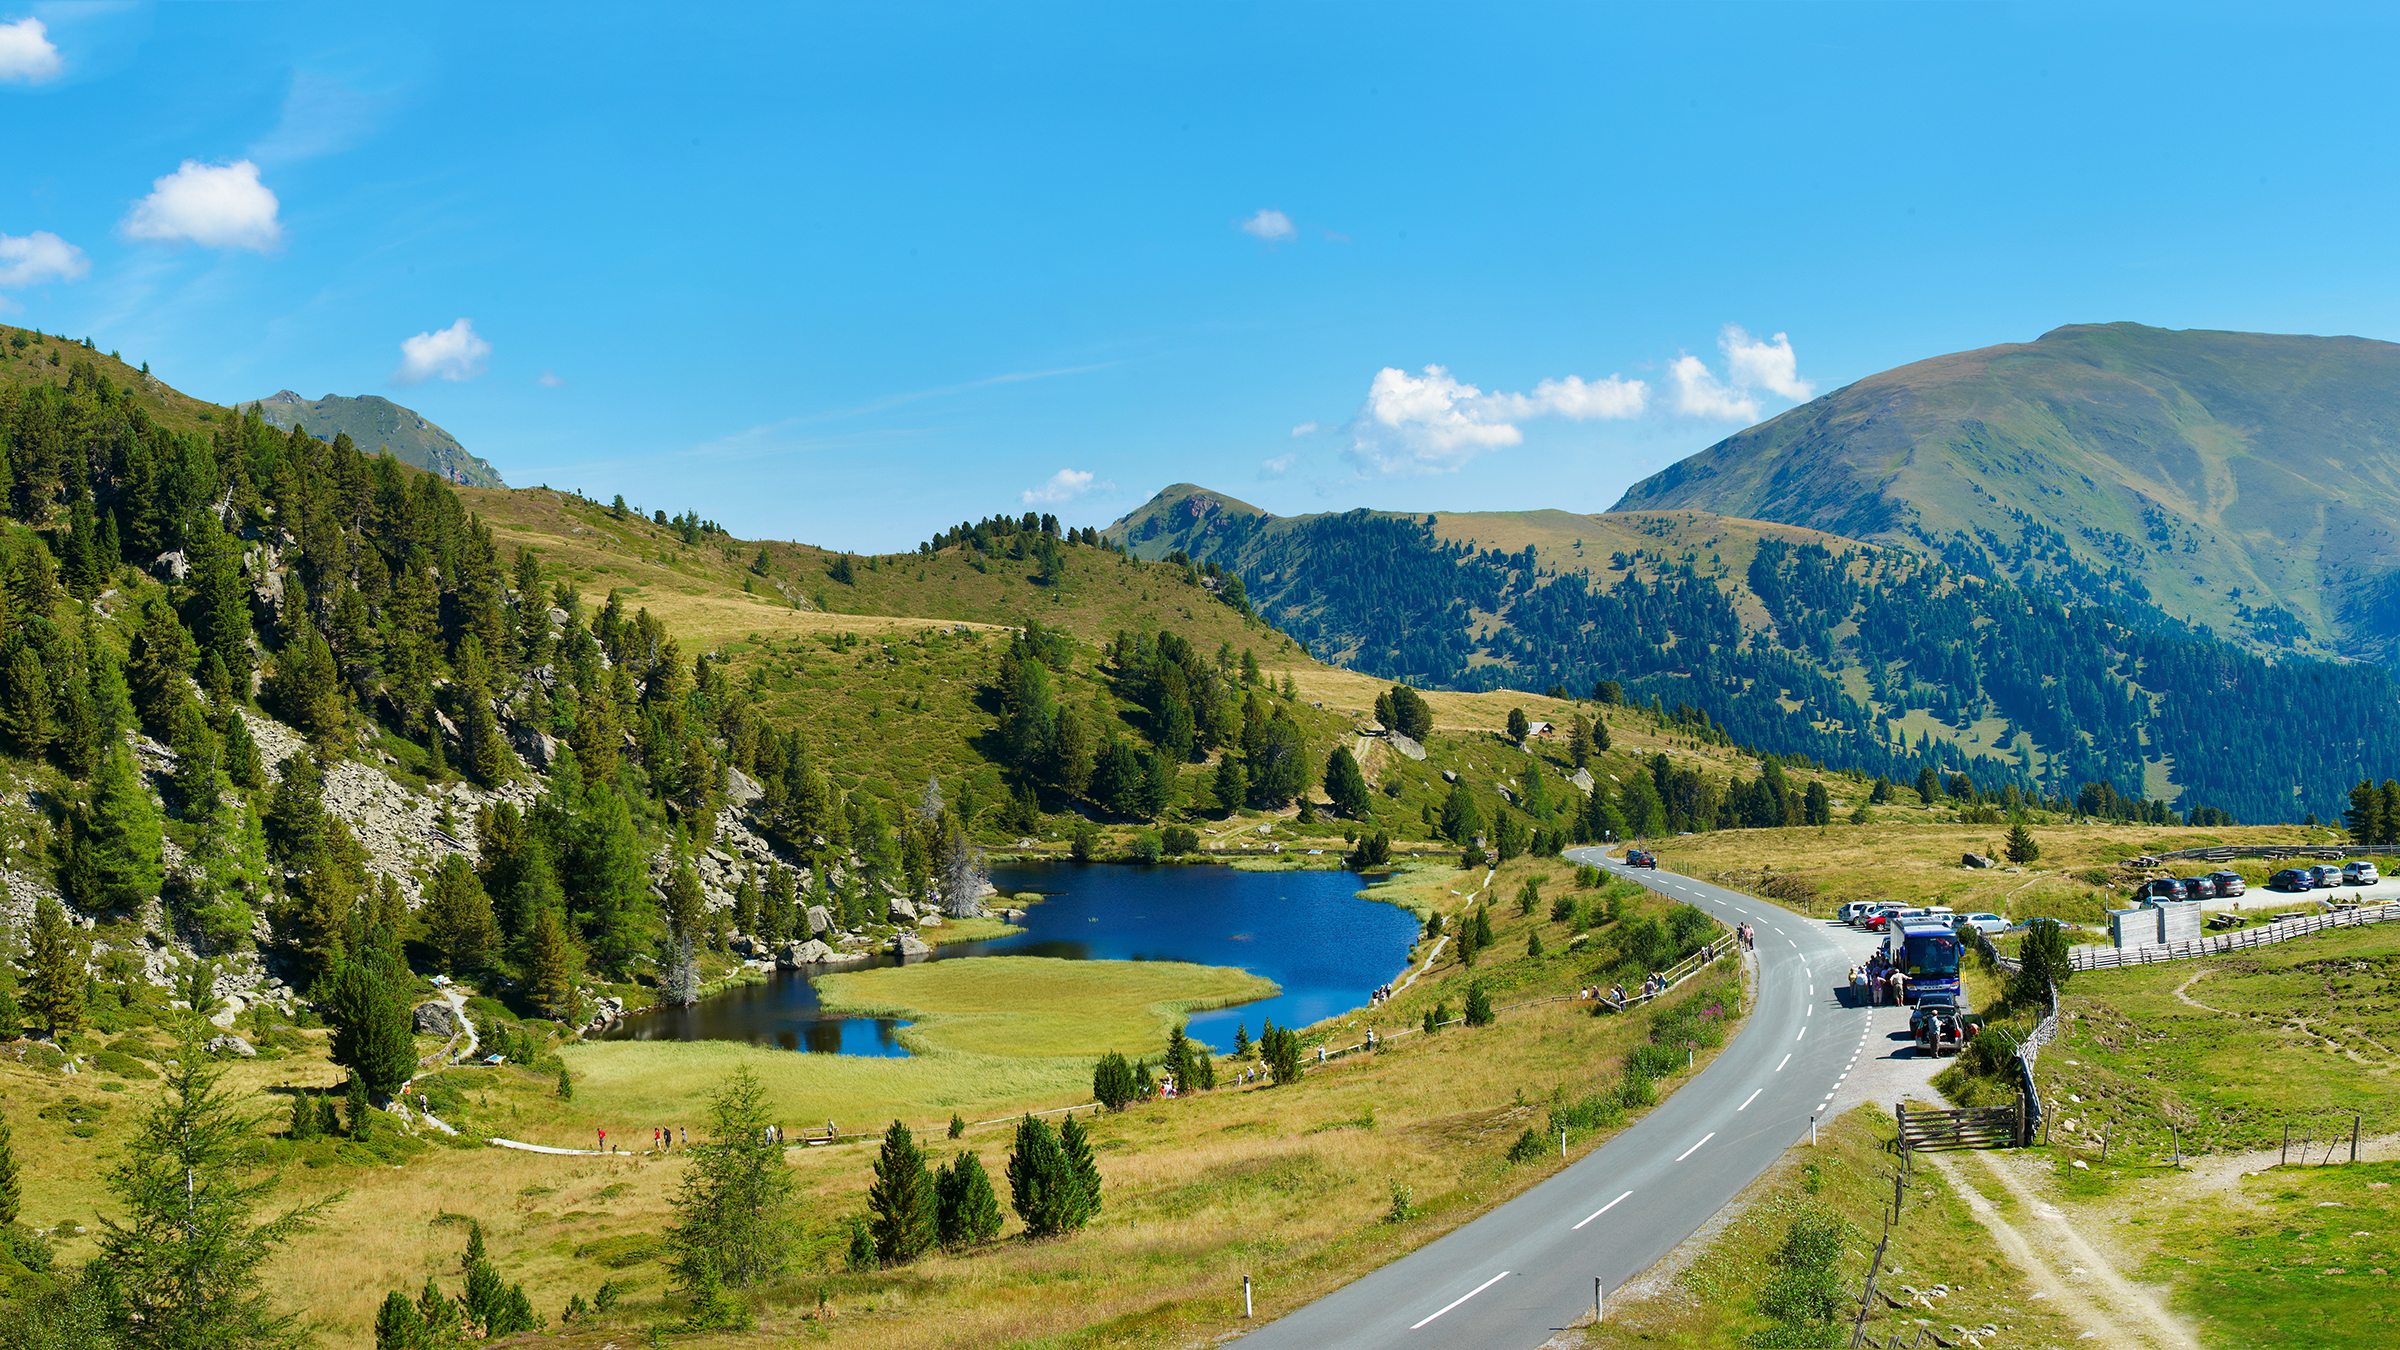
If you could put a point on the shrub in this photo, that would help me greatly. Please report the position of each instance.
(1636, 1092)
(1527, 1148)
(1404, 1204)
(1179, 839)
(1112, 1082)
(1805, 1295)
(1147, 848)
(1562, 909)
(1653, 1061)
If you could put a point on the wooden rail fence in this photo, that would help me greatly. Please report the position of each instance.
(2218, 944)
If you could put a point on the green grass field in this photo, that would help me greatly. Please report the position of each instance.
(1033, 1006)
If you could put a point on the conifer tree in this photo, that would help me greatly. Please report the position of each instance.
(372, 1026)
(185, 1259)
(306, 683)
(220, 600)
(198, 790)
(486, 753)
(54, 971)
(241, 759)
(551, 963)
(457, 915)
(158, 666)
(114, 852)
(730, 1210)
(28, 713)
(11, 1197)
(1082, 1168)
(1042, 1187)
(1345, 786)
(967, 1212)
(901, 1209)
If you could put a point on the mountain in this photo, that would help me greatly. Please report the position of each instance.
(379, 424)
(2246, 482)
(1867, 656)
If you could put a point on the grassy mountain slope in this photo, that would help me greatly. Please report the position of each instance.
(1873, 657)
(380, 424)
(2244, 481)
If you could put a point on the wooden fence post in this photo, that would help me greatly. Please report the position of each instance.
(2355, 1118)
(2285, 1155)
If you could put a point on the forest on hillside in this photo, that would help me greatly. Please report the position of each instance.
(1857, 641)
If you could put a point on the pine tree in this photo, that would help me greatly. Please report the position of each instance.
(220, 600)
(158, 666)
(242, 763)
(1042, 1186)
(1462, 819)
(372, 1025)
(1082, 1168)
(398, 1325)
(28, 713)
(1232, 784)
(185, 1259)
(1479, 1005)
(1519, 726)
(198, 791)
(54, 971)
(304, 1117)
(1345, 786)
(1241, 1040)
(551, 965)
(10, 1195)
(457, 916)
(486, 751)
(1112, 1081)
(966, 1210)
(2021, 845)
(901, 1206)
(732, 1206)
(115, 847)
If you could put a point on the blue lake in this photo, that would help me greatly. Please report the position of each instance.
(1323, 944)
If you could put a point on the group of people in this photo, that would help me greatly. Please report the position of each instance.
(1747, 936)
(668, 1138)
(1880, 982)
(1615, 993)
(1382, 992)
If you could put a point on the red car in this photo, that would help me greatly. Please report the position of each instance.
(1642, 858)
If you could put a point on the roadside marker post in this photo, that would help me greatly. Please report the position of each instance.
(1599, 1303)
(1562, 1142)
(1245, 1298)
(1812, 1131)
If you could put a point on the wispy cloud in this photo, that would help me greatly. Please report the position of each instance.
(1279, 465)
(549, 379)
(27, 55)
(1062, 487)
(32, 259)
(1271, 225)
(212, 205)
(1433, 422)
(1308, 428)
(453, 353)
(322, 115)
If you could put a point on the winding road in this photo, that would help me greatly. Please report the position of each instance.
(1521, 1273)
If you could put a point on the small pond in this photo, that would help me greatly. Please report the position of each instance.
(1310, 932)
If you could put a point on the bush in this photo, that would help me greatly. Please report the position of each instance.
(1636, 1092)
(1112, 1082)
(1562, 909)
(1179, 839)
(1598, 1111)
(1805, 1294)
(1654, 1061)
(1147, 848)
(1528, 1147)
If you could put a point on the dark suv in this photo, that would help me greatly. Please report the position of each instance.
(1642, 858)
(2292, 879)
(2229, 884)
(2165, 888)
(2199, 888)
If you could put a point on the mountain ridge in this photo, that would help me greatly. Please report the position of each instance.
(376, 423)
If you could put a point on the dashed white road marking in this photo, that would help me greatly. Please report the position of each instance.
(1696, 1147)
(1803, 1033)
(1749, 1099)
(1786, 1060)
(1464, 1297)
(1603, 1209)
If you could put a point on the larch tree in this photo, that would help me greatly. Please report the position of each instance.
(54, 971)
(732, 1206)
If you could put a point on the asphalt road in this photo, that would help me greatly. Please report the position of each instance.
(1521, 1273)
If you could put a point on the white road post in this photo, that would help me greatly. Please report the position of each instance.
(1245, 1298)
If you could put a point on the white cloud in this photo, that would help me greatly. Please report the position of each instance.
(1432, 422)
(1308, 428)
(213, 205)
(1769, 365)
(1064, 486)
(549, 379)
(26, 52)
(31, 259)
(1699, 393)
(1271, 225)
(453, 353)
(1280, 464)
(1751, 367)
(322, 115)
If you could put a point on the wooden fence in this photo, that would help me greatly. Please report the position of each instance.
(1969, 1127)
(2218, 944)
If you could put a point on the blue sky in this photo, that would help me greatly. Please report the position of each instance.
(851, 274)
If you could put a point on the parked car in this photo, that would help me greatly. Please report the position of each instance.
(2229, 884)
(2199, 888)
(2325, 876)
(1885, 919)
(2165, 888)
(1867, 910)
(2360, 874)
(1988, 923)
(1642, 858)
(2293, 879)
(1851, 910)
(1939, 1027)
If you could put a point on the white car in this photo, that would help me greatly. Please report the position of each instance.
(2360, 874)
(1986, 923)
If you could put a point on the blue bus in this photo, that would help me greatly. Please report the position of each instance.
(1928, 954)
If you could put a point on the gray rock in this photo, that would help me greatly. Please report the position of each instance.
(818, 920)
(1582, 780)
(1974, 860)
(904, 909)
(437, 1019)
(1449, 775)
(810, 953)
(230, 1045)
(910, 947)
(930, 921)
(1406, 746)
(171, 566)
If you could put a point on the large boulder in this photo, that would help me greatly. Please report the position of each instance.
(904, 909)
(437, 1019)
(230, 1045)
(910, 947)
(1974, 860)
(818, 920)
(797, 954)
(1408, 748)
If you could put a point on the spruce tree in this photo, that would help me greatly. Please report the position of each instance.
(732, 1206)
(1042, 1188)
(966, 1210)
(185, 1259)
(198, 791)
(28, 713)
(1345, 785)
(551, 963)
(158, 666)
(54, 971)
(1082, 1168)
(241, 759)
(10, 1195)
(372, 1025)
(1112, 1081)
(398, 1324)
(457, 916)
(1479, 1005)
(115, 846)
(901, 1207)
